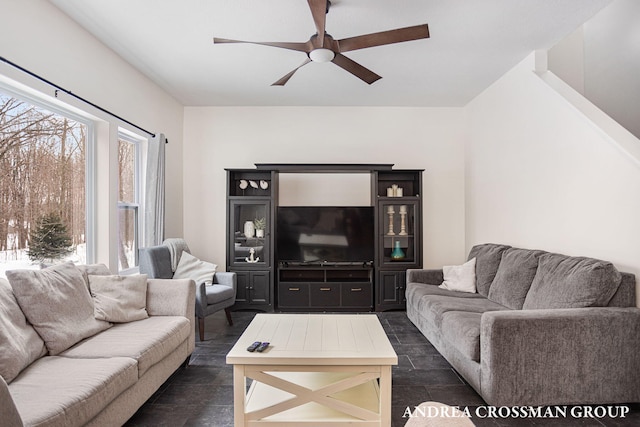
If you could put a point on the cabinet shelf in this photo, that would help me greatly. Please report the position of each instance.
(319, 288)
(398, 200)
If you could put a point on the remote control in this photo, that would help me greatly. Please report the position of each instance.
(254, 346)
(262, 347)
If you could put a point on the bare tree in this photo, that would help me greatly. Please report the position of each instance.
(42, 170)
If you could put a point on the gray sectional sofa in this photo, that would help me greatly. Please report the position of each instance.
(542, 328)
(102, 379)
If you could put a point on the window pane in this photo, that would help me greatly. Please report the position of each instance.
(42, 186)
(128, 202)
(126, 171)
(128, 237)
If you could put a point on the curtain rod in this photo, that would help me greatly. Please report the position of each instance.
(68, 92)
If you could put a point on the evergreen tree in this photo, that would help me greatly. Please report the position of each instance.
(49, 240)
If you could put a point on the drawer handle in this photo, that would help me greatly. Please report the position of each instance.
(325, 289)
(356, 289)
(294, 289)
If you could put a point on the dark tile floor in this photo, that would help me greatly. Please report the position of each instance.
(202, 393)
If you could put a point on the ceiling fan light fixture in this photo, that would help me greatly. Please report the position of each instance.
(321, 55)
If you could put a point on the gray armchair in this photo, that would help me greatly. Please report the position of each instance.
(155, 261)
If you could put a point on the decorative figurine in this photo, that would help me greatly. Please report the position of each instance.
(403, 217)
(390, 211)
(250, 258)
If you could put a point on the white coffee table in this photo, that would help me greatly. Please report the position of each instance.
(322, 369)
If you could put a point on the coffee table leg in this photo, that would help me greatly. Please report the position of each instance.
(385, 395)
(239, 395)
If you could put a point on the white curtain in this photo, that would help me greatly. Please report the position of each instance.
(154, 192)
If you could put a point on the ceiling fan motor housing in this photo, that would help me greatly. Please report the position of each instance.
(322, 55)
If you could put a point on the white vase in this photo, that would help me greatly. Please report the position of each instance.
(249, 229)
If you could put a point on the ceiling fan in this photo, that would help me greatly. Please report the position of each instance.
(321, 47)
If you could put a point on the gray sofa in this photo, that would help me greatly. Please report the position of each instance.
(542, 329)
(103, 379)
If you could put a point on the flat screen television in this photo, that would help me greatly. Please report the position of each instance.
(325, 234)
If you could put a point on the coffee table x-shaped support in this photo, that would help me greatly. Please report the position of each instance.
(299, 385)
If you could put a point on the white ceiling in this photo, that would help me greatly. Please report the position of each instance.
(473, 42)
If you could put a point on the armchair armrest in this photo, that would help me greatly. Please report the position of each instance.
(430, 277)
(560, 356)
(226, 279)
(222, 278)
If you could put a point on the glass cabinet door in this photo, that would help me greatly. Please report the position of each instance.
(250, 225)
(398, 233)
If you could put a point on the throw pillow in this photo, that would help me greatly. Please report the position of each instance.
(57, 303)
(461, 278)
(513, 279)
(20, 343)
(190, 267)
(488, 258)
(93, 269)
(572, 282)
(119, 299)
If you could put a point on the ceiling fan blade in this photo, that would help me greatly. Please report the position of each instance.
(384, 37)
(356, 69)
(319, 13)
(286, 78)
(301, 47)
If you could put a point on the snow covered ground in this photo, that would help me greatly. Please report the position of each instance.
(16, 260)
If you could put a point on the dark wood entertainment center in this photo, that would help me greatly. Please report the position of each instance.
(265, 283)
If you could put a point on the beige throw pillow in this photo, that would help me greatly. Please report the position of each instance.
(192, 268)
(20, 344)
(93, 270)
(119, 299)
(461, 278)
(57, 303)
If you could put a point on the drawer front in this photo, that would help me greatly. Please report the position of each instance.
(325, 294)
(293, 294)
(357, 294)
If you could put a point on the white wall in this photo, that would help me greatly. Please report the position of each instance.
(216, 138)
(612, 62)
(566, 60)
(602, 61)
(539, 174)
(37, 36)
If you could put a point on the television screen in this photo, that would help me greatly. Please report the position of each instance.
(325, 234)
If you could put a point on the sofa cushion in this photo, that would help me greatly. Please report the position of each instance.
(514, 277)
(433, 307)
(20, 343)
(119, 298)
(58, 391)
(488, 258)
(414, 291)
(460, 278)
(148, 341)
(462, 330)
(57, 303)
(571, 282)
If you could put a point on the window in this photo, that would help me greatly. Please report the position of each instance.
(129, 229)
(43, 180)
